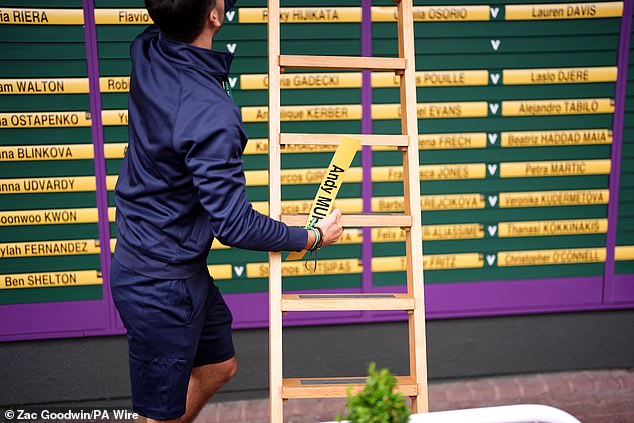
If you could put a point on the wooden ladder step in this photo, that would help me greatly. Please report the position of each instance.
(342, 62)
(335, 139)
(346, 302)
(357, 220)
(337, 387)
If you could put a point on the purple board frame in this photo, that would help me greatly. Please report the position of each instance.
(618, 289)
(74, 318)
(447, 300)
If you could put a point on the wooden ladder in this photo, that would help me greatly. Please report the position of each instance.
(414, 385)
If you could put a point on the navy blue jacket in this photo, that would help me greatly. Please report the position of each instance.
(182, 181)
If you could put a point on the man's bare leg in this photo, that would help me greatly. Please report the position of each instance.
(203, 383)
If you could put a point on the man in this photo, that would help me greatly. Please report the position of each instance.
(182, 184)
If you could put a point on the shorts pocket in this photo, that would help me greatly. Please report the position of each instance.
(188, 301)
(159, 386)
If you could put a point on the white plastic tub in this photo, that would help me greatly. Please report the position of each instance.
(524, 413)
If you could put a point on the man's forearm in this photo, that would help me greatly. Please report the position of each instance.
(311, 240)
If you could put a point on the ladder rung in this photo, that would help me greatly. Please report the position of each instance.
(357, 220)
(342, 62)
(344, 302)
(335, 139)
(337, 387)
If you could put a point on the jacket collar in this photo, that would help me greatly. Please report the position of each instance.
(207, 62)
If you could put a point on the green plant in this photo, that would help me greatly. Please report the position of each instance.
(377, 402)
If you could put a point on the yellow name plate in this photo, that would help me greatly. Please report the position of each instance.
(39, 185)
(303, 81)
(111, 182)
(46, 152)
(552, 227)
(557, 107)
(220, 271)
(457, 231)
(301, 14)
(611, 9)
(559, 75)
(432, 172)
(450, 78)
(324, 267)
(431, 232)
(556, 168)
(433, 110)
(122, 16)
(24, 16)
(115, 150)
(430, 262)
(44, 86)
(554, 198)
(452, 141)
(44, 119)
(49, 248)
(50, 279)
(431, 202)
(114, 117)
(114, 84)
(549, 138)
(452, 202)
(47, 217)
(304, 113)
(546, 257)
(624, 252)
(434, 13)
(58, 184)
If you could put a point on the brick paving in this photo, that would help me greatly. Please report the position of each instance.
(604, 396)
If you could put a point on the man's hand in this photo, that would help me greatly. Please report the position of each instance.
(331, 227)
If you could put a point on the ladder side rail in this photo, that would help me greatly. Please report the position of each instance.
(415, 287)
(275, 211)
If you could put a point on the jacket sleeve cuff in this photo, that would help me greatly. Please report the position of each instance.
(297, 238)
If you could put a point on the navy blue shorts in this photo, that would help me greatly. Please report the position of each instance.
(172, 325)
